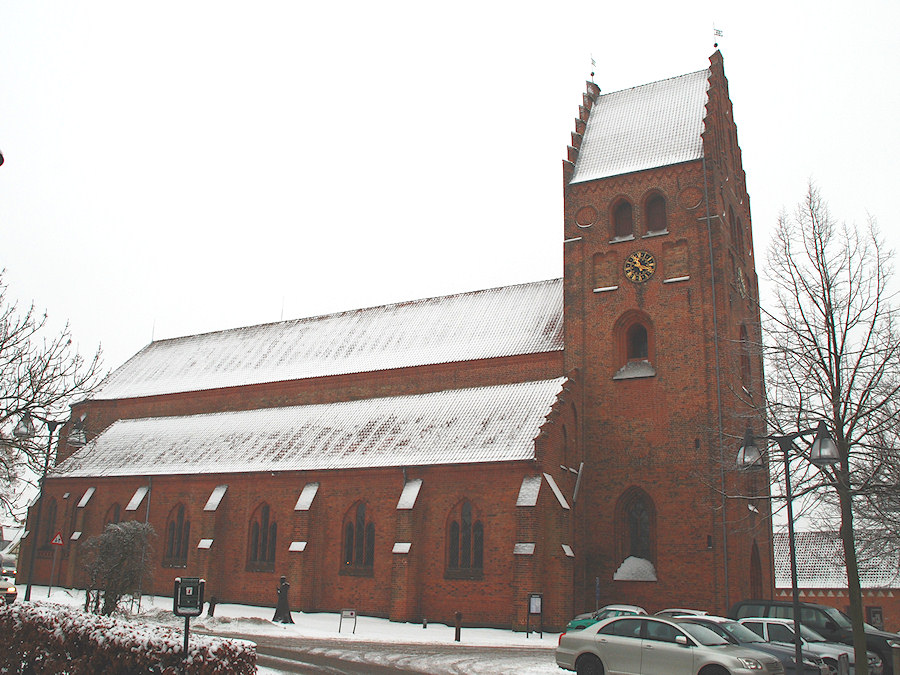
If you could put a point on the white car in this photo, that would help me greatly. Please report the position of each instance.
(651, 645)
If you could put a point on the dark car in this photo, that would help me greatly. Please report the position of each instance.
(829, 622)
(8, 590)
(737, 634)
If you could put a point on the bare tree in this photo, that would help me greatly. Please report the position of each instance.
(117, 562)
(833, 355)
(40, 375)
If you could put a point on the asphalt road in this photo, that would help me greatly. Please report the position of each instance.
(339, 657)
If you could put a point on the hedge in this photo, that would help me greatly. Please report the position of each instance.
(45, 639)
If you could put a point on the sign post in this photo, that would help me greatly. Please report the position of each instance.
(57, 543)
(535, 608)
(187, 602)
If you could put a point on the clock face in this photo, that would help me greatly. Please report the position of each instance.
(640, 266)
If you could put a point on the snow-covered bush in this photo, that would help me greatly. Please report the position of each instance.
(43, 639)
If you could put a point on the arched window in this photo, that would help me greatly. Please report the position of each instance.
(178, 533)
(263, 537)
(358, 555)
(655, 210)
(635, 348)
(465, 543)
(50, 527)
(113, 514)
(623, 224)
(636, 526)
(638, 343)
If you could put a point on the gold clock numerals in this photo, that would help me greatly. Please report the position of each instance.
(640, 266)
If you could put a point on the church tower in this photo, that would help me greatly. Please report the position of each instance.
(660, 315)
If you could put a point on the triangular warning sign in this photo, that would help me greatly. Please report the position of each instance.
(57, 540)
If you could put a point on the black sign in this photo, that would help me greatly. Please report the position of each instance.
(188, 596)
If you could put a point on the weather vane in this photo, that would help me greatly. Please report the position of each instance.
(716, 34)
(593, 66)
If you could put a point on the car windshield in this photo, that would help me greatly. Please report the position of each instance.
(703, 635)
(809, 634)
(836, 615)
(739, 632)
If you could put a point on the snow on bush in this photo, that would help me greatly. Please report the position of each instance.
(62, 640)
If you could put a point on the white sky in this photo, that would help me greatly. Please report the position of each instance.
(181, 167)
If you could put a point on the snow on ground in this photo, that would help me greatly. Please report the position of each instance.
(249, 620)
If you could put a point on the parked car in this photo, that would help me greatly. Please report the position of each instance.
(738, 634)
(674, 611)
(782, 630)
(605, 612)
(652, 644)
(8, 589)
(830, 623)
(8, 565)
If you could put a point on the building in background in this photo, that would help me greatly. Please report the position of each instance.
(544, 447)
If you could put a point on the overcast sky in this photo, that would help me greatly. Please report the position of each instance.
(181, 167)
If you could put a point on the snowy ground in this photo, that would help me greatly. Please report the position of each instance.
(229, 619)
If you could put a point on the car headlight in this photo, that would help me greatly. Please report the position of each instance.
(750, 664)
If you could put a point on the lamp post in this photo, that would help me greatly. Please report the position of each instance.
(25, 429)
(824, 452)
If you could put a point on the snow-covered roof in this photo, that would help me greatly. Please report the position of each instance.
(644, 127)
(506, 321)
(820, 563)
(484, 424)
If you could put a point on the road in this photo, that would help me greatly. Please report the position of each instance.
(339, 657)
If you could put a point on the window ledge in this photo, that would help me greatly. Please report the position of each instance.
(635, 369)
(463, 573)
(655, 233)
(357, 571)
(261, 567)
(616, 240)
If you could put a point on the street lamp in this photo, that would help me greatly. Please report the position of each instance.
(824, 452)
(23, 430)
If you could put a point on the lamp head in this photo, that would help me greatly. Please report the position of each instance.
(749, 457)
(824, 451)
(25, 428)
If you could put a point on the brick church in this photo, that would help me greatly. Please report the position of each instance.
(573, 438)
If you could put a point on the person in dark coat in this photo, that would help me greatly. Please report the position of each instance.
(283, 608)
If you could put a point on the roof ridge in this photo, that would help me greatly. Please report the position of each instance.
(347, 312)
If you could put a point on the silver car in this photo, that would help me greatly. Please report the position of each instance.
(782, 631)
(650, 645)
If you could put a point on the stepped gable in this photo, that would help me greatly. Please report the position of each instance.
(505, 321)
(460, 426)
(653, 125)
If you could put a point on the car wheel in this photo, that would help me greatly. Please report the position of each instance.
(832, 666)
(714, 670)
(588, 664)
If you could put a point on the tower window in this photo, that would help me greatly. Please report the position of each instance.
(636, 526)
(656, 214)
(623, 223)
(637, 342)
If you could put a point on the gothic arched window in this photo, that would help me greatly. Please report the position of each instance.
(263, 537)
(178, 533)
(113, 514)
(465, 542)
(358, 556)
(636, 526)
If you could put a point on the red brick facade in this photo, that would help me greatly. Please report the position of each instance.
(664, 440)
